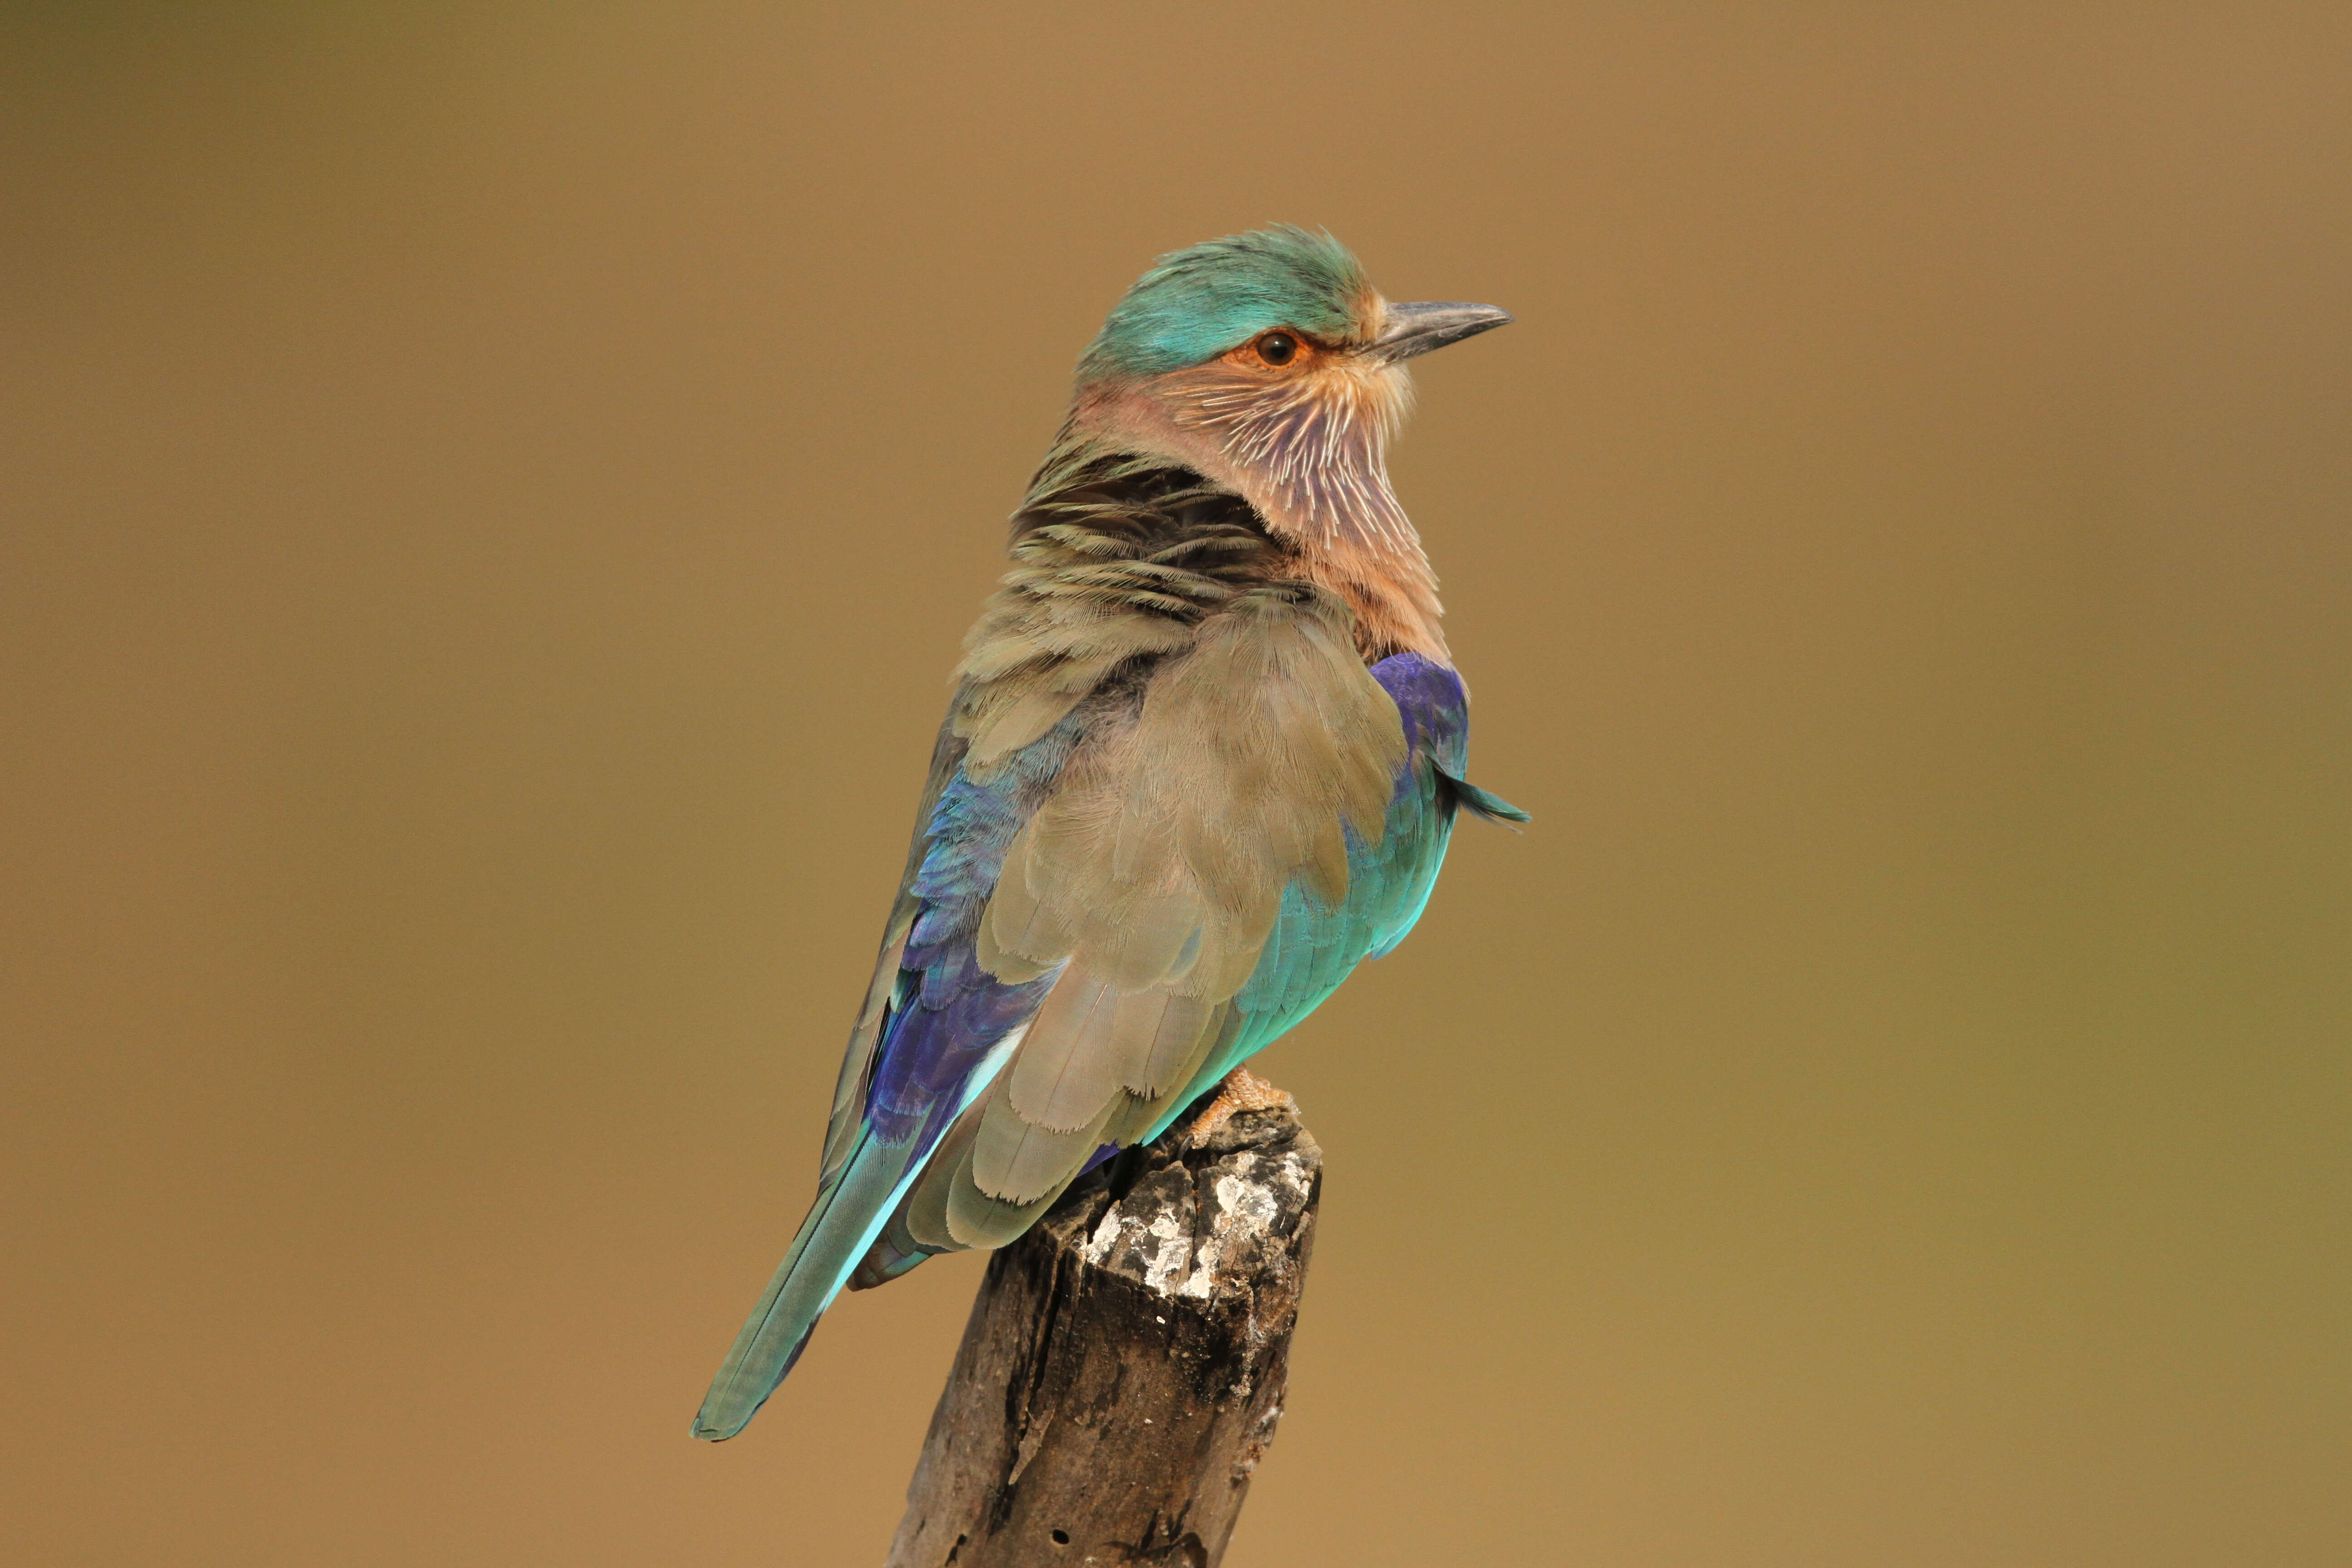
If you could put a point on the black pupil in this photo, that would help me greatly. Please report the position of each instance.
(1276, 348)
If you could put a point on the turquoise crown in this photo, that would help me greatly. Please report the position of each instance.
(1197, 302)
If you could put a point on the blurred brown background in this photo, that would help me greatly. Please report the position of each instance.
(492, 494)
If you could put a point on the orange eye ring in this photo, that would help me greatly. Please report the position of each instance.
(1277, 348)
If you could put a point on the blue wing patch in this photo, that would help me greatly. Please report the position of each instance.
(948, 1012)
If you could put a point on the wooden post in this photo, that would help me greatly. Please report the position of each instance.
(1123, 1369)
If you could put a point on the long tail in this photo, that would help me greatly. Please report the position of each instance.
(848, 1216)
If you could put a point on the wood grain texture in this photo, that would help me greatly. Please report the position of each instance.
(1125, 1362)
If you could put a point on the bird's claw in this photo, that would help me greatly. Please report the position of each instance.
(1241, 1090)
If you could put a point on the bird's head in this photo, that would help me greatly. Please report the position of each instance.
(1268, 362)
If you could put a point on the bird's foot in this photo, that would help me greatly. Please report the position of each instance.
(1242, 1090)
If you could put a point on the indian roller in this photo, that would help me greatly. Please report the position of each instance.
(1204, 755)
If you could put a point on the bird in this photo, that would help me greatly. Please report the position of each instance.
(1204, 755)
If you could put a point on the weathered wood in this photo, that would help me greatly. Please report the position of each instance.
(1124, 1366)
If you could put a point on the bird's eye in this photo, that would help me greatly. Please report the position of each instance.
(1277, 348)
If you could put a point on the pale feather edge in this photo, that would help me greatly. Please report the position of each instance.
(982, 1078)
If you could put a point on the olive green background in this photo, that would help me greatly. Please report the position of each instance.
(492, 495)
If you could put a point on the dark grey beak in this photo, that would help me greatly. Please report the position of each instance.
(1417, 329)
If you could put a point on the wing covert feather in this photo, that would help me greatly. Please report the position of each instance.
(1162, 853)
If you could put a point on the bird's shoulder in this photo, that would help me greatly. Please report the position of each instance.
(1115, 571)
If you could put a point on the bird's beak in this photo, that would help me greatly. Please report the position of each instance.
(1417, 329)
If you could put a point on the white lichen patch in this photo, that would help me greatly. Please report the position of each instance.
(1243, 1212)
(1180, 1241)
(1105, 1237)
(1167, 1258)
(1155, 1247)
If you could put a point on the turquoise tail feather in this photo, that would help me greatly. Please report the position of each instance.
(832, 1240)
(841, 1229)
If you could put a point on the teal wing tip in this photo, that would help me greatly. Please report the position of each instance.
(716, 1429)
(1484, 804)
(725, 1411)
(729, 1408)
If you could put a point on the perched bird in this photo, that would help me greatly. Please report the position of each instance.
(1203, 756)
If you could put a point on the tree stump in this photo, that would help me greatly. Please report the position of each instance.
(1124, 1366)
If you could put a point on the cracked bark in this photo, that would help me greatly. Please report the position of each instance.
(1124, 1366)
